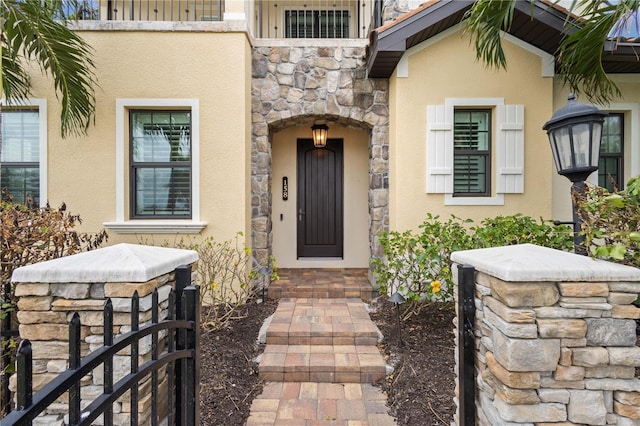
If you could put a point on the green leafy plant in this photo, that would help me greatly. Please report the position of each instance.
(226, 278)
(34, 35)
(611, 222)
(520, 229)
(419, 265)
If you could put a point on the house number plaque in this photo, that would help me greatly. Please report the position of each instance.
(285, 188)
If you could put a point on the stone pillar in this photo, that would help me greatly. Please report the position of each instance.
(555, 337)
(297, 84)
(50, 292)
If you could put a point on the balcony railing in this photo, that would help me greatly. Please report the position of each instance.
(144, 10)
(316, 18)
(269, 18)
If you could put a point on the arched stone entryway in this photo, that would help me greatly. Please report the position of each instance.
(295, 85)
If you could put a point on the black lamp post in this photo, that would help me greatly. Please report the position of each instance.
(397, 299)
(264, 281)
(575, 131)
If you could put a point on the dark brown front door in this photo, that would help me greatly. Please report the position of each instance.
(320, 232)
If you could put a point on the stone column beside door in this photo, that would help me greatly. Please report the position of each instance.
(294, 83)
(49, 293)
(555, 338)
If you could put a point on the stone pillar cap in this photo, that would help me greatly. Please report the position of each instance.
(117, 263)
(529, 262)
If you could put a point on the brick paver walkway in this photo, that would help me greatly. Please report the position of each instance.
(310, 403)
(321, 358)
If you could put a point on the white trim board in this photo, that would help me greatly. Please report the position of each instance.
(122, 224)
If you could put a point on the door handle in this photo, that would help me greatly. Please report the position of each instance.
(300, 214)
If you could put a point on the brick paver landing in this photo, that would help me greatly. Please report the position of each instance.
(321, 359)
(321, 283)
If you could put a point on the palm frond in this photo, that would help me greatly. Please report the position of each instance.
(580, 53)
(580, 58)
(32, 32)
(485, 20)
(15, 80)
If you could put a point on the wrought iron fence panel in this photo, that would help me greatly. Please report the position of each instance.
(181, 359)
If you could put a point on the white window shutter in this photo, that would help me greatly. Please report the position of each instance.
(510, 149)
(439, 149)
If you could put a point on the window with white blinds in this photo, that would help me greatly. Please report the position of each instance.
(472, 152)
(20, 175)
(473, 143)
(160, 159)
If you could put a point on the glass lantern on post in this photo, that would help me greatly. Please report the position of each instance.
(575, 132)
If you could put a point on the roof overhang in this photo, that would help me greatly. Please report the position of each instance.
(389, 42)
(621, 57)
(538, 23)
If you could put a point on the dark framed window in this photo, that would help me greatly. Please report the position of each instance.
(20, 171)
(472, 153)
(160, 160)
(316, 24)
(611, 166)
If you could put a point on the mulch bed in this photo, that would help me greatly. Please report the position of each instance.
(420, 391)
(228, 376)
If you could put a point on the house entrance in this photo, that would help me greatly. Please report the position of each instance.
(320, 199)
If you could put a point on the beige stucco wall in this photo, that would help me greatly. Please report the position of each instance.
(448, 69)
(211, 67)
(629, 104)
(356, 184)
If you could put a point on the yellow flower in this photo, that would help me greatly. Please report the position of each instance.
(214, 285)
(435, 286)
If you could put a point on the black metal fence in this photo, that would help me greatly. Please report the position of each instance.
(181, 358)
(466, 345)
(143, 10)
(7, 335)
(273, 19)
(317, 18)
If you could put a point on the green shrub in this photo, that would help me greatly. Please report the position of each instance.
(520, 229)
(611, 222)
(419, 266)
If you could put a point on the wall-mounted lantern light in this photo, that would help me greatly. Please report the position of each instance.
(319, 132)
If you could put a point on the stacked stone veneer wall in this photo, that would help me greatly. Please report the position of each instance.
(49, 293)
(556, 338)
(295, 84)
